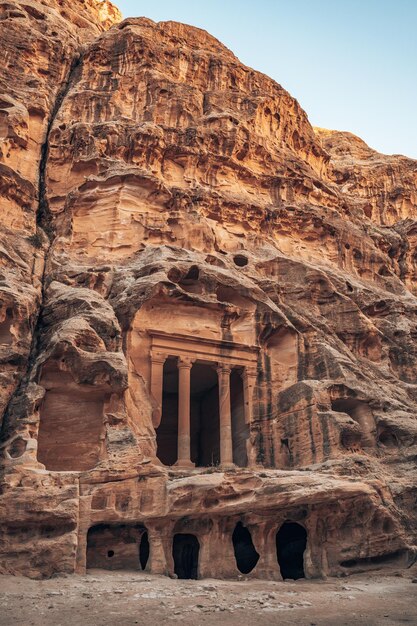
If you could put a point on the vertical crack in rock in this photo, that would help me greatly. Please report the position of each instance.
(43, 222)
(43, 215)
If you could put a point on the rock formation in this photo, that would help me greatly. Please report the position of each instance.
(208, 313)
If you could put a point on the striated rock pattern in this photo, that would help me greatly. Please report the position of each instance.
(208, 313)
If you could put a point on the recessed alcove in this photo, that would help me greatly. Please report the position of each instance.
(71, 422)
(192, 274)
(205, 401)
(5, 334)
(240, 260)
(282, 350)
(245, 553)
(350, 439)
(374, 562)
(17, 448)
(204, 416)
(167, 432)
(185, 553)
(117, 547)
(191, 280)
(291, 542)
(387, 438)
(240, 429)
(198, 367)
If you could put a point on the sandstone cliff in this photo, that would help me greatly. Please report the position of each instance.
(168, 210)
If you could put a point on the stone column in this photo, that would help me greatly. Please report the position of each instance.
(157, 380)
(249, 381)
(157, 562)
(226, 443)
(184, 438)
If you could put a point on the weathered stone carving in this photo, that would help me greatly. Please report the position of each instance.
(208, 313)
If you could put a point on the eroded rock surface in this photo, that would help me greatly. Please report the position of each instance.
(209, 313)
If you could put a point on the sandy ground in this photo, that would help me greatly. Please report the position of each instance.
(127, 598)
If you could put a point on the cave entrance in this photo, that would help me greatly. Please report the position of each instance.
(245, 554)
(291, 543)
(185, 551)
(117, 547)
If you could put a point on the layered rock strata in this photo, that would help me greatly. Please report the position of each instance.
(209, 313)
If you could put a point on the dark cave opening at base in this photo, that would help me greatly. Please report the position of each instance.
(117, 547)
(245, 554)
(291, 543)
(185, 551)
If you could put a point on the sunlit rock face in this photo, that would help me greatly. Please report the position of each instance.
(209, 314)
(40, 42)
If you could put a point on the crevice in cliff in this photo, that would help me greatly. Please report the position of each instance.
(44, 221)
(43, 214)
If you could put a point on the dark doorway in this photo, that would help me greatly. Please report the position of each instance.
(205, 420)
(204, 416)
(240, 430)
(291, 543)
(167, 433)
(245, 553)
(144, 550)
(185, 550)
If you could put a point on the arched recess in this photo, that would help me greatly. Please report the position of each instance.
(185, 552)
(387, 437)
(291, 542)
(245, 553)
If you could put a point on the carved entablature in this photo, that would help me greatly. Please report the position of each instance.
(202, 349)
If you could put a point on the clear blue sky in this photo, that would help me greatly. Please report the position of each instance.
(352, 64)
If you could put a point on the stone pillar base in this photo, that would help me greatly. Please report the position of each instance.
(185, 463)
(227, 466)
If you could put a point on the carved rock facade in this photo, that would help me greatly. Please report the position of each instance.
(208, 322)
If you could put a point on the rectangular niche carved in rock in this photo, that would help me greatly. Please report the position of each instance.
(204, 416)
(71, 424)
(117, 547)
(167, 433)
(240, 429)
